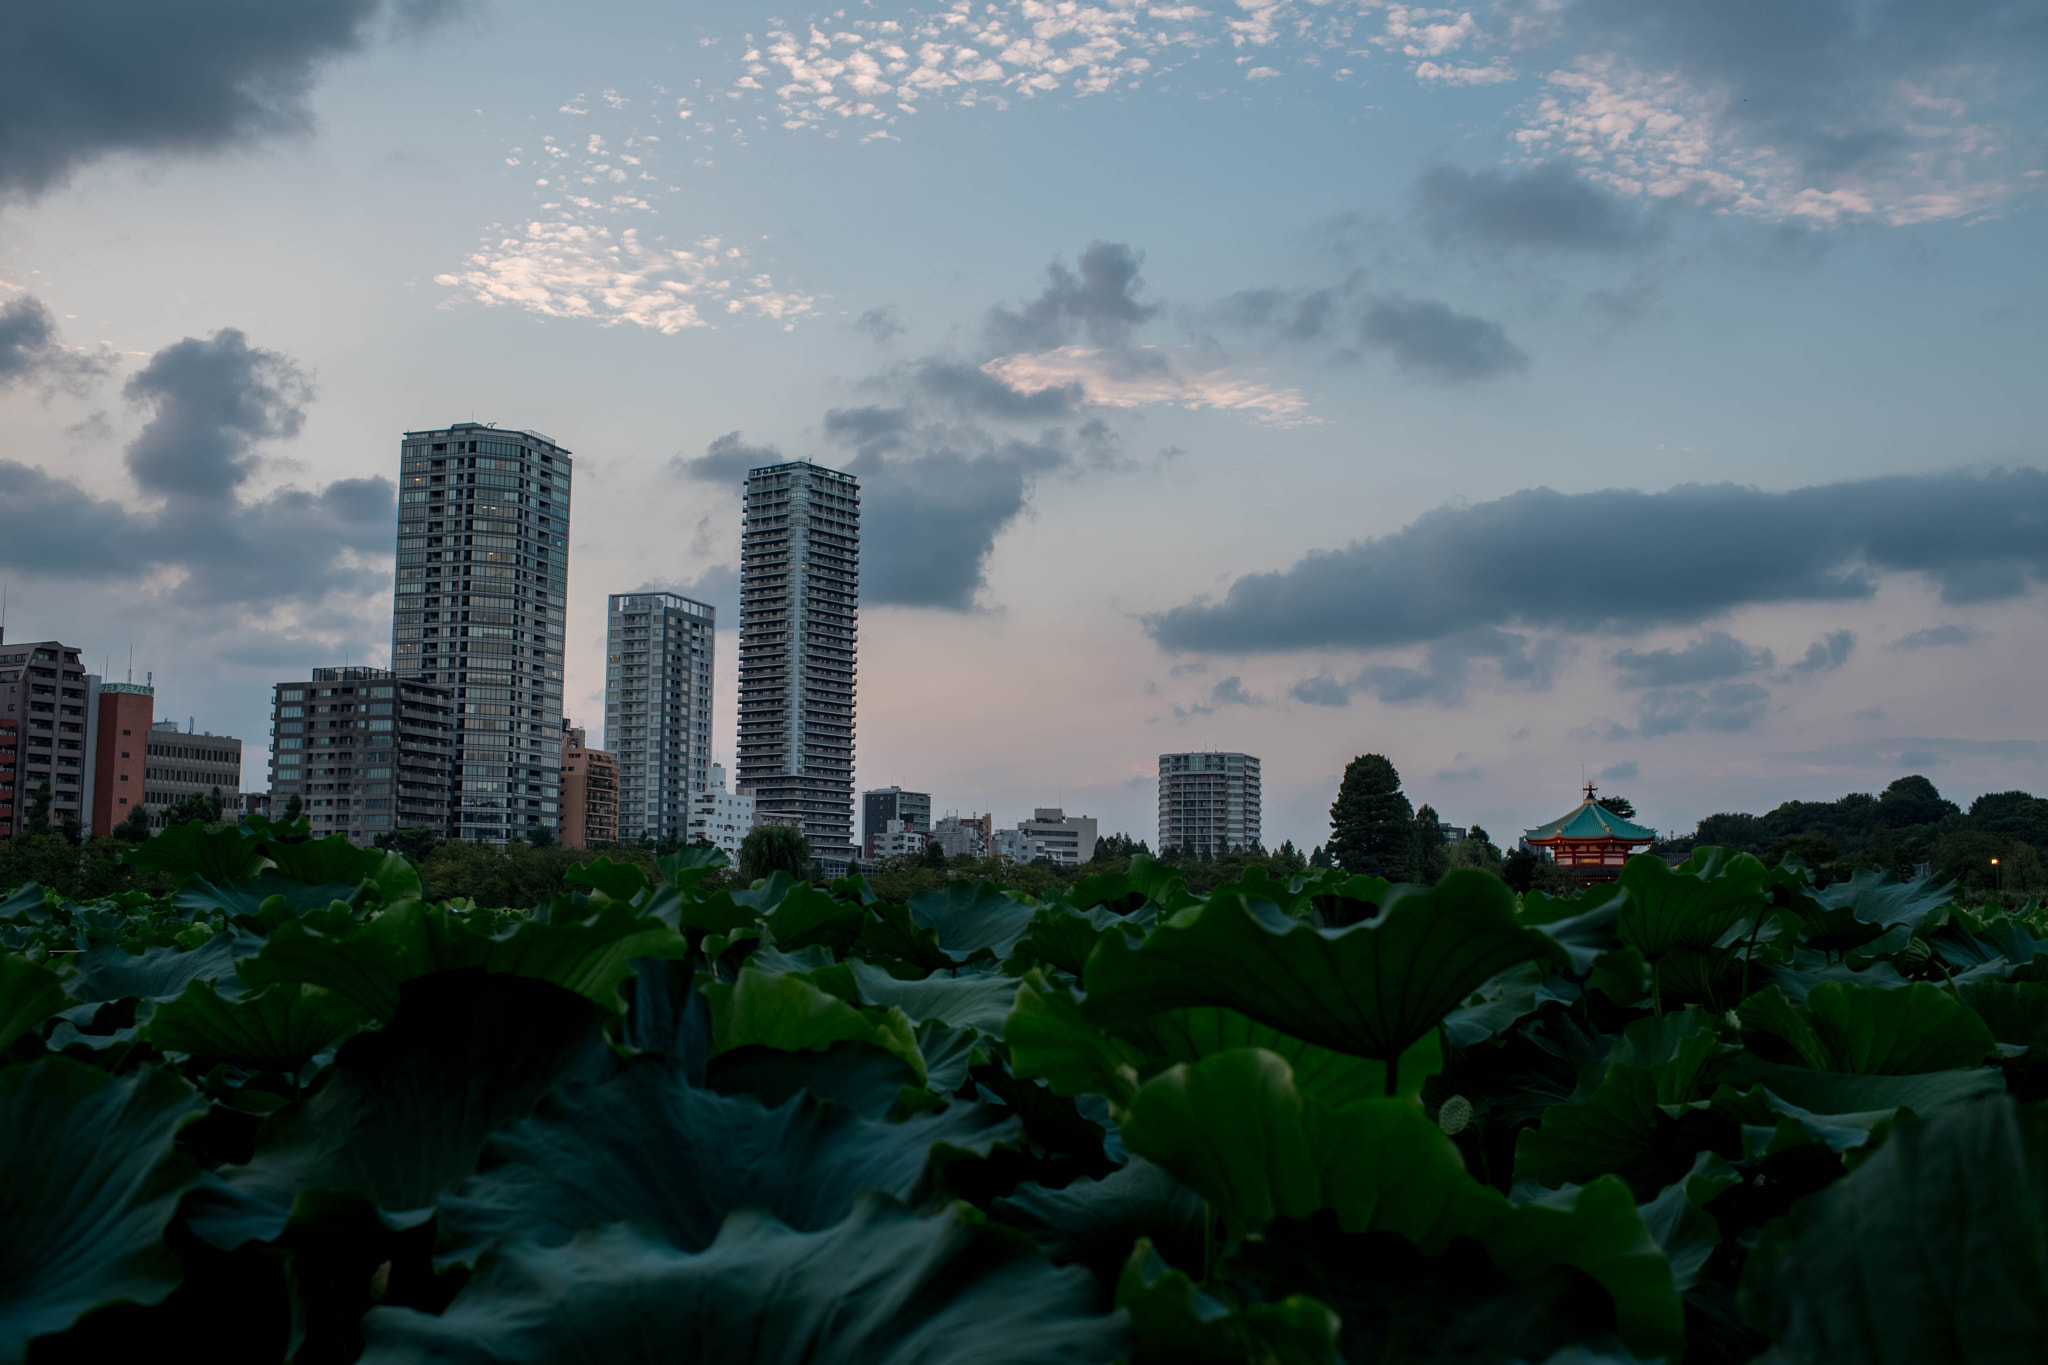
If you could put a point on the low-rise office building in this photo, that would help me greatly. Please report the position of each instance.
(1051, 833)
(190, 762)
(366, 751)
(722, 818)
(913, 810)
(964, 836)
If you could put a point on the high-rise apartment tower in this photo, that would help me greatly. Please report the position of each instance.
(657, 708)
(1208, 803)
(483, 566)
(366, 751)
(799, 614)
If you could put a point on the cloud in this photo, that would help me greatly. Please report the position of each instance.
(1547, 206)
(1896, 755)
(1708, 659)
(1111, 379)
(1098, 300)
(1460, 774)
(728, 459)
(1829, 652)
(1322, 691)
(1230, 692)
(31, 354)
(1444, 671)
(879, 325)
(1428, 339)
(1727, 708)
(1936, 636)
(214, 399)
(1689, 553)
(79, 82)
(1623, 771)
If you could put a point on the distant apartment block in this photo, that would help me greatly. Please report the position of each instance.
(799, 612)
(897, 840)
(912, 811)
(964, 836)
(1208, 803)
(1051, 833)
(719, 817)
(366, 750)
(43, 690)
(657, 707)
(483, 565)
(590, 792)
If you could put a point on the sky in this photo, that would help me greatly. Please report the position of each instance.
(1534, 392)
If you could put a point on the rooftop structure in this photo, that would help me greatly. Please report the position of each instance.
(1590, 840)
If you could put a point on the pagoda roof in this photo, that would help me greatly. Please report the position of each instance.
(1590, 820)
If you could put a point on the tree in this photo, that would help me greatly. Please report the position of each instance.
(414, 845)
(541, 835)
(934, 854)
(38, 821)
(1619, 805)
(1432, 853)
(1812, 849)
(1117, 846)
(293, 809)
(1372, 826)
(1913, 801)
(774, 848)
(201, 806)
(1476, 850)
(135, 828)
(1321, 857)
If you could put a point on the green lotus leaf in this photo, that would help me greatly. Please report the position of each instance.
(1235, 1129)
(962, 999)
(1096, 1222)
(1936, 1248)
(1062, 937)
(971, 917)
(244, 900)
(1689, 906)
(1335, 1080)
(219, 855)
(858, 1076)
(25, 900)
(2016, 1012)
(1768, 1011)
(783, 1011)
(614, 881)
(1494, 1008)
(1676, 1217)
(591, 956)
(1173, 1320)
(666, 1013)
(881, 1288)
(405, 1109)
(1372, 989)
(89, 1183)
(29, 993)
(1050, 1038)
(1834, 1092)
(807, 915)
(111, 972)
(1878, 898)
(279, 1028)
(1897, 1032)
(648, 1146)
(335, 859)
(1584, 925)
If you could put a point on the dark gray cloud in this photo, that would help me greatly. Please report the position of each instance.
(1727, 708)
(1829, 652)
(1546, 207)
(81, 79)
(1819, 80)
(1444, 671)
(1935, 637)
(1672, 558)
(1620, 772)
(971, 390)
(880, 325)
(1096, 300)
(1290, 314)
(726, 460)
(31, 354)
(1230, 692)
(225, 557)
(1428, 339)
(214, 400)
(1896, 755)
(1710, 658)
(1321, 691)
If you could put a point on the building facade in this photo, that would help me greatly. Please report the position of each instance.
(1051, 833)
(590, 792)
(122, 718)
(42, 688)
(719, 817)
(964, 836)
(799, 617)
(190, 762)
(657, 707)
(483, 566)
(884, 806)
(365, 750)
(1209, 803)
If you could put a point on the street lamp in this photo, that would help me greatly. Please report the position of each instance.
(1997, 879)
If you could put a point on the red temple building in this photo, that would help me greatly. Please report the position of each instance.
(1591, 842)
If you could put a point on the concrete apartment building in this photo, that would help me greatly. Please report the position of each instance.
(719, 817)
(884, 807)
(964, 836)
(43, 690)
(483, 566)
(366, 750)
(590, 792)
(1068, 840)
(657, 707)
(117, 752)
(799, 617)
(1208, 802)
(181, 763)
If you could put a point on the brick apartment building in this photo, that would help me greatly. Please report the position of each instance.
(590, 792)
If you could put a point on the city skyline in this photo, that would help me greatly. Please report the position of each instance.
(1514, 392)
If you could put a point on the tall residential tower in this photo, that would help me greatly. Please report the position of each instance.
(483, 566)
(1209, 803)
(657, 708)
(799, 612)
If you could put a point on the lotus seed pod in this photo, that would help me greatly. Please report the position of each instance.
(1455, 1115)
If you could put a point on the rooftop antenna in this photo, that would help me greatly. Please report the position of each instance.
(131, 663)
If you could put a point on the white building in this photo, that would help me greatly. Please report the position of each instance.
(719, 817)
(963, 837)
(657, 708)
(1209, 803)
(1068, 840)
(896, 839)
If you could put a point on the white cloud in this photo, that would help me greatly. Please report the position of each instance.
(1146, 378)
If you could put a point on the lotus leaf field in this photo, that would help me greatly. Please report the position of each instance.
(1713, 1114)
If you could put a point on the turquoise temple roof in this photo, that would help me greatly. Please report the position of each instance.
(1591, 820)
